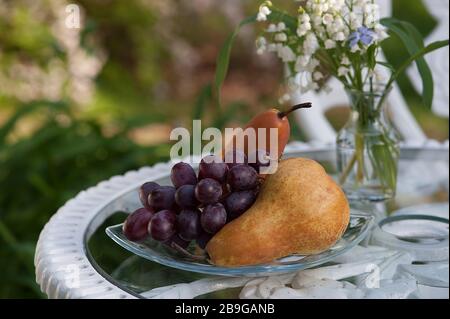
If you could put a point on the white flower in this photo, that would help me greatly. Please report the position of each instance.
(380, 33)
(286, 54)
(360, 3)
(272, 28)
(314, 63)
(264, 11)
(355, 49)
(304, 82)
(285, 98)
(281, 37)
(340, 36)
(356, 20)
(302, 62)
(281, 27)
(261, 41)
(321, 32)
(303, 29)
(261, 45)
(330, 44)
(345, 61)
(304, 24)
(303, 18)
(261, 17)
(371, 13)
(337, 4)
(336, 26)
(292, 84)
(323, 25)
(319, 7)
(317, 76)
(327, 19)
(317, 20)
(310, 45)
(343, 71)
(272, 47)
(305, 63)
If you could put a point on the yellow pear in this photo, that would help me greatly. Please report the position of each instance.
(300, 209)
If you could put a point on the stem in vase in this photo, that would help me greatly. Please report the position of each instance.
(359, 152)
(347, 169)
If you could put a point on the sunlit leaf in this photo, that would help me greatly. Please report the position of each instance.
(223, 60)
(413, 42)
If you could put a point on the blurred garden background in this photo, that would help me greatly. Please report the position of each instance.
(80, 105)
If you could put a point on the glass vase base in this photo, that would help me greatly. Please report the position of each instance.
(367, 195)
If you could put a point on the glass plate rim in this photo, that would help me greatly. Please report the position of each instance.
(245, 270)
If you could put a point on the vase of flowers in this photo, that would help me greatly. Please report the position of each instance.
(342, 38)
(367, 149)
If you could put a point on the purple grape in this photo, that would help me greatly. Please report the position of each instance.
(208, 191)
(177, 240)
(162, 198)
(163, 225)
(203, 239)
(235, 157)
(213, 218)
(213, 167)
(183, 174)
(188, 224)
(259, 158)
(239, 202)
(144, 191)
(136, 224)
(185, 196)
(242, 177)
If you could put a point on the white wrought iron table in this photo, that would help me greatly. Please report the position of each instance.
(75, 259)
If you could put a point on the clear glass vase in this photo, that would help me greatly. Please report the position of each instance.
(368, 150)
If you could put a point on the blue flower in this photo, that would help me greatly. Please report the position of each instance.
(363, 35)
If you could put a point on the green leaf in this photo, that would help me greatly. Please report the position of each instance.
(412, 40)
(422, 65)
(414, 33)
(223, 60)
(25, 109)
(409, 28)
(429, 48)
(371, 55)
(420, 54)
(202, 100)
(6, 235)
(230, 111)
(386, 65)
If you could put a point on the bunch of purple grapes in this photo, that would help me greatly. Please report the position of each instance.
(195, 207)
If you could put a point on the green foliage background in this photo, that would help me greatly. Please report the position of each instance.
(68, 147)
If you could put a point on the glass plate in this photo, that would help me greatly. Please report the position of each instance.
(155, 251)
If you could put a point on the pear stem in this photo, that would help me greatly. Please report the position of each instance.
(294, 108)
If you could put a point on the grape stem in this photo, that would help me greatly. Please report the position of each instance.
(294, 108)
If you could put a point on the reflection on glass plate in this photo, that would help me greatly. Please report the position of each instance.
(152, 250)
